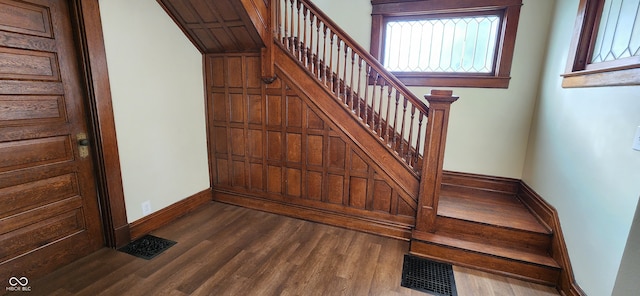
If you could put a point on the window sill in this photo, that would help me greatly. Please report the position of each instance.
(412, 79)
(601, 78)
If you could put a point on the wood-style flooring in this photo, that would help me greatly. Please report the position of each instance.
(228, 250)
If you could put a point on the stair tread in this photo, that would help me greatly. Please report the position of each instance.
(494, 209)
(513, 254)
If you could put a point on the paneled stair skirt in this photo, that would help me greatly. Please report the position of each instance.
(428, 276)
(147, 247)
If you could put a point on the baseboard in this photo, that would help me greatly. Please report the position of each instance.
(169, 214)
(122, 236)
(480, 182)
(547, 214)
(377, 227)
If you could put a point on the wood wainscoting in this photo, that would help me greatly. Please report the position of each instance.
(273, 148)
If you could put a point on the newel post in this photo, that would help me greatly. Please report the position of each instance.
(431, 178)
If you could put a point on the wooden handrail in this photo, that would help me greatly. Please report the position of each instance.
(361, 51)
(376, 97)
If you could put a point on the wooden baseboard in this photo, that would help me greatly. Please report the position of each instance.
(547, 214)
(480, 182)
(167, 215)
(382, 228)
(122, 235)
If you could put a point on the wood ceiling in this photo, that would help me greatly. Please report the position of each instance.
(215, 26)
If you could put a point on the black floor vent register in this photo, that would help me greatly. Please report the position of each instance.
(428, 276)
(147, 246)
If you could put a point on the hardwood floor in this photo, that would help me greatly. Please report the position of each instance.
(228, 250)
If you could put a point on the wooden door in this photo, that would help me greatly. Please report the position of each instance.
(49, 212)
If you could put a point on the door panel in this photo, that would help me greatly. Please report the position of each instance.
(48, 205)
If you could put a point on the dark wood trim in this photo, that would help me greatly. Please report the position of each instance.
(579, 71)
(378, 227)
(169, 214)
(382, 10)
(420, 79)
(435, 141)
(460, 181)
(547, 214)
(109, 180)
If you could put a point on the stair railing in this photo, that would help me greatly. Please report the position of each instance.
(373, 95)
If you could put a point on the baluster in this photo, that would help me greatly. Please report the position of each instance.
(303, 43)
(291, 38)
(366, 95)
(372, 118)
(395, 123)
(404, 113)
(318, 48)
(330, 69)
(310, 54)
(356, 97)
(278, 20)
(298, 32)
(388, 118)
(285, 39)
(336, 85)
(418, 142)
(352, 92)
(344, 75)
(324, 55)
(382, 85)
(409, 145)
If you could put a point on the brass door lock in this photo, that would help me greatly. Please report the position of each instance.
(83, 145)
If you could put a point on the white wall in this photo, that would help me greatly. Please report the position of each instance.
(627, 281)
(158, 101)
(488, 128)
(580, 160)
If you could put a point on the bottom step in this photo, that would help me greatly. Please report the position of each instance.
(512, 263)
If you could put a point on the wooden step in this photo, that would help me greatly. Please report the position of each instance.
(489, 229)
(507, 237)
(501, 260)
(493, 218)
(488, 207)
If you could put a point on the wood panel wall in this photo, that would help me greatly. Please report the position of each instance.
(271, 143)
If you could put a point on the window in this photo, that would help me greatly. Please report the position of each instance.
(605, 50)
(465, 43)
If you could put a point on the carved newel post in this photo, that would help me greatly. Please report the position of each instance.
(431, 178)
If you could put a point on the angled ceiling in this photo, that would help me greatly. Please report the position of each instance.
(215, 26)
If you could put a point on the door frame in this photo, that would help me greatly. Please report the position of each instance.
(89, 40)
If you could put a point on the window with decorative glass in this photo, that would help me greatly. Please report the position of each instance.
(446, 43)
(606, 45)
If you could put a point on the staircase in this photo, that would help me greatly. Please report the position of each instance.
(489, 229)
(464, 219)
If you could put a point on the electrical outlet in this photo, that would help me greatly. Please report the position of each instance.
(636, 140)
(146, 207)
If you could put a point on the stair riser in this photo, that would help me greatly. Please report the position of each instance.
(488, 263)
(494, 235)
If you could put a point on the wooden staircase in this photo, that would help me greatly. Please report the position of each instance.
(490, 231)
(463, 219)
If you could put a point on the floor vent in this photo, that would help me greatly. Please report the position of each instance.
(147, 247)
(428, 276)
